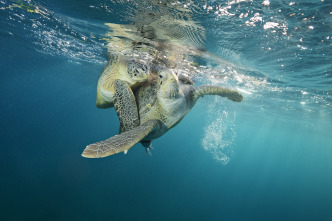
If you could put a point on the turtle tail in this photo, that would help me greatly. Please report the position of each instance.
(217, 90)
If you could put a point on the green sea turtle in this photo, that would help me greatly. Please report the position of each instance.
(121, 75)
(130, 70)
(162, 104)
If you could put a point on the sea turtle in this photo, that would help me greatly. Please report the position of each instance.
(162, 104)
(120, 76)
(130, 70)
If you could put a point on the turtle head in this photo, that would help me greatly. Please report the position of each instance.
(168, 84)
(138, 70)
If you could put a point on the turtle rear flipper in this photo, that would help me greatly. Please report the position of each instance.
(125, 106)
(217, 90)
(147, 144)
(121, 142)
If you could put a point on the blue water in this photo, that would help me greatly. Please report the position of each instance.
(267, 158)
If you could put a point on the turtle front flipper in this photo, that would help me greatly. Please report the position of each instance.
(125, 106)
(217, 90)
(121, 142)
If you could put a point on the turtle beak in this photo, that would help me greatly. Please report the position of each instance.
(173, 77)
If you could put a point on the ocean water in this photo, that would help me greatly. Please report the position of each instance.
(267, 158)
